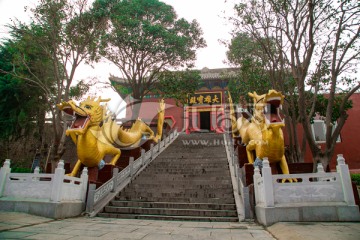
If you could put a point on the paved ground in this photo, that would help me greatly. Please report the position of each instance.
(23, 226)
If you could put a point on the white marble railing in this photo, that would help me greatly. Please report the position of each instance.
(115, 184)
(55, 187)
(271, 191)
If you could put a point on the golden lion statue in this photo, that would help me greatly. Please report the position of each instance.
(263, 134)
(95, 133)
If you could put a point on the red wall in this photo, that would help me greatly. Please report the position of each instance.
(350, 134)
(350, 138)
(149, 109)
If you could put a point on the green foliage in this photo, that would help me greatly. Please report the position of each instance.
(20, 102)
(121, 89)
(79, 90)
(245, 52)
(178, 85)
(146, 37)
(244, 49)
(20, 170)
(322, 103)
(355, 177)
(72, 27)
(318, 44)
(61, 35)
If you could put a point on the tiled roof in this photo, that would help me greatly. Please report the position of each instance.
(217, 73)
(205, 73)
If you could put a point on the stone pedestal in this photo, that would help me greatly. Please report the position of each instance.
(93, 173)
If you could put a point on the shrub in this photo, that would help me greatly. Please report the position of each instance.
(20, 170)
(356, 178)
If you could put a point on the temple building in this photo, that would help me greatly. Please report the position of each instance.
(205, 112)
(205, 109)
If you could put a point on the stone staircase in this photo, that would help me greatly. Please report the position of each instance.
(186, 182)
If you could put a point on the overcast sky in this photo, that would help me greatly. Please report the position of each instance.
(209, 13)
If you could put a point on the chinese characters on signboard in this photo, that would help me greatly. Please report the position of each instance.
(205, 98)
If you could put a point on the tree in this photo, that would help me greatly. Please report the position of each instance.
(245, 53)
(146, 38)
(178, 85)
(22, 107)
(68, 34)
(261, 67)
(319, 44)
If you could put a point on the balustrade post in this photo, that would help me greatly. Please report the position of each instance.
(84, 181)
(142, 157)
(257, 176)
(131, 165)
(58, 181)
(36, 173)
(235, 169)
(90, 198)
(4, 171)
(238, 180)
(151, 152)
(115, 172)
(268, 183)
(320, 168)
(344, 173)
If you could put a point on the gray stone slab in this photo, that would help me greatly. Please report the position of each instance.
(312, 230)
(15, 235)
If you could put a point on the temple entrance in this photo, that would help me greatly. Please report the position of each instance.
(205, 120)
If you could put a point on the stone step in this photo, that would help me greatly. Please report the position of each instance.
(229, 200)
(181, 183)
(171, 186)
(199, 170)
(179, 189)
(203, 172)
(186, 164)
(191, 178)
(224, 193)
(189, 165)
(173, 205)
(180, 196)
(169, 218)
(193, 155)
(170, 211)
(154, 177)
(185, 182)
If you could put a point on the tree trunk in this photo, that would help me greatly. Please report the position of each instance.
(58, 140)
(135, 108)
(41, 125)
(296, 151)
(322, 158)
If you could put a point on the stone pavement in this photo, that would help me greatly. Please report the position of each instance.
(23, 226)
(15, 225)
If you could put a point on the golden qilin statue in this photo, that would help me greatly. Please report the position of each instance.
(95, 133)
(263, 133)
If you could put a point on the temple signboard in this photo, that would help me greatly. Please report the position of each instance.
(205, 98)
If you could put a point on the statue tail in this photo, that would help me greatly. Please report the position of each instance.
(160, 123)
